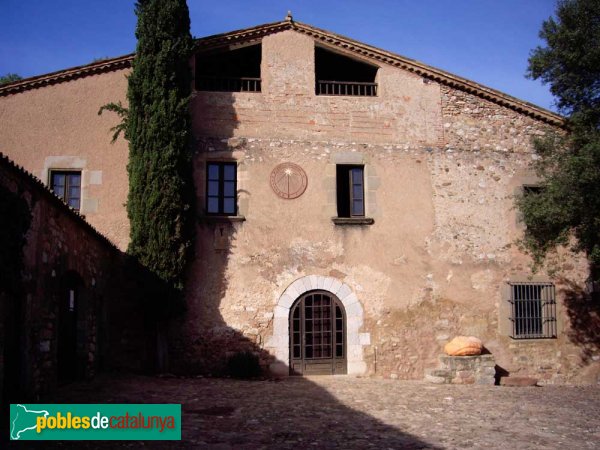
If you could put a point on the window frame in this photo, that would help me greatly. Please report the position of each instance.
(221, 188)
(532, 310)
(66, 197)
(348, 171)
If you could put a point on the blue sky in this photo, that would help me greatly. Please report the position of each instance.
(487, 41)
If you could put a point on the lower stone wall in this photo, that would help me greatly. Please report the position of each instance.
(81, 304)
(478, 369)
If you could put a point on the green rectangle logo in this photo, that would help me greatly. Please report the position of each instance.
(95, 422)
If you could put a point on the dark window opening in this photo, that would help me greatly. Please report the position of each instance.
(531, 189)
(350, 191)
(229, 71)
(221, 188)
(67, 186)
(337, 74)
(533, 310)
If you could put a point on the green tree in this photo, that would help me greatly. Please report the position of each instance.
(568, 205)
(157, 125)
(9, 78)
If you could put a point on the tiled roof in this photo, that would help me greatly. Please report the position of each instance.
(42, 189)
(324, 37)
(106, 65)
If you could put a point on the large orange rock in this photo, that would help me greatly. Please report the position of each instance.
(464, 346)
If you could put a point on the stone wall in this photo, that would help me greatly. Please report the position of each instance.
(406, 110)
(433, 265)
(64, 253)
(478, 369)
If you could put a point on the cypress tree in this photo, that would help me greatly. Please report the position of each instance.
(159, 204)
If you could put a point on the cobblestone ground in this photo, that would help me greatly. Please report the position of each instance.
(352, 413)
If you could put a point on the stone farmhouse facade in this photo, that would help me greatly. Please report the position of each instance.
(355, 207)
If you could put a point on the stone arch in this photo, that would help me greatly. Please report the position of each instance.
(279, 342)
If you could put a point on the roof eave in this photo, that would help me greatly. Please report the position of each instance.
(328, 38)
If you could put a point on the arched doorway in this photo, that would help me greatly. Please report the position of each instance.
(317, 324)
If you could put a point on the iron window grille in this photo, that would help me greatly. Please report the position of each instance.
(350, 191)
(221, 188)
(66, 184)
(228, 84)
(533, 310)
(346, 88)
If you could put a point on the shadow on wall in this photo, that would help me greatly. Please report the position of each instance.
(200, 340)
(584, 315)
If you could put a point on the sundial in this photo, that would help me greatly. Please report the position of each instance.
(288, 180)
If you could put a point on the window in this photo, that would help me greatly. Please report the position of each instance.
(526, 190)
(338, 74)
(221, 188)
(236, 70)
(533, 310)
(531, 189)
(67, 185)
(350, 191)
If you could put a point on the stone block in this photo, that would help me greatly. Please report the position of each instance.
(313, 281)
(354, 310)
(353, 339)
(335, 286)
(95, 177)
(281, 326)
(347, 158)
(327, 283)
(373, 183)
(364, 338)
(89, 205)
(321, 282)
(356, 367)
(354, 323)
(279, 369)
(491, 371)
(355, 352)
(293, 290)
(286, 301)
(435, 380)
(343, 291)
(349, 299)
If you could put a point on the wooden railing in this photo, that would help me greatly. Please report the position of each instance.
(349, 88)
(224, 84)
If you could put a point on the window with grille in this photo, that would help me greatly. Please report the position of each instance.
(533, 310)
(67, 185)
(221, 188)
(350, 191)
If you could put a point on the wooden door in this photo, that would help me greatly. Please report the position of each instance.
(317, 335)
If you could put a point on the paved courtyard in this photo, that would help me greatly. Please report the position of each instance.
(352, 413)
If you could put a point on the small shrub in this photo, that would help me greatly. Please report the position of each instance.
(244, 365)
